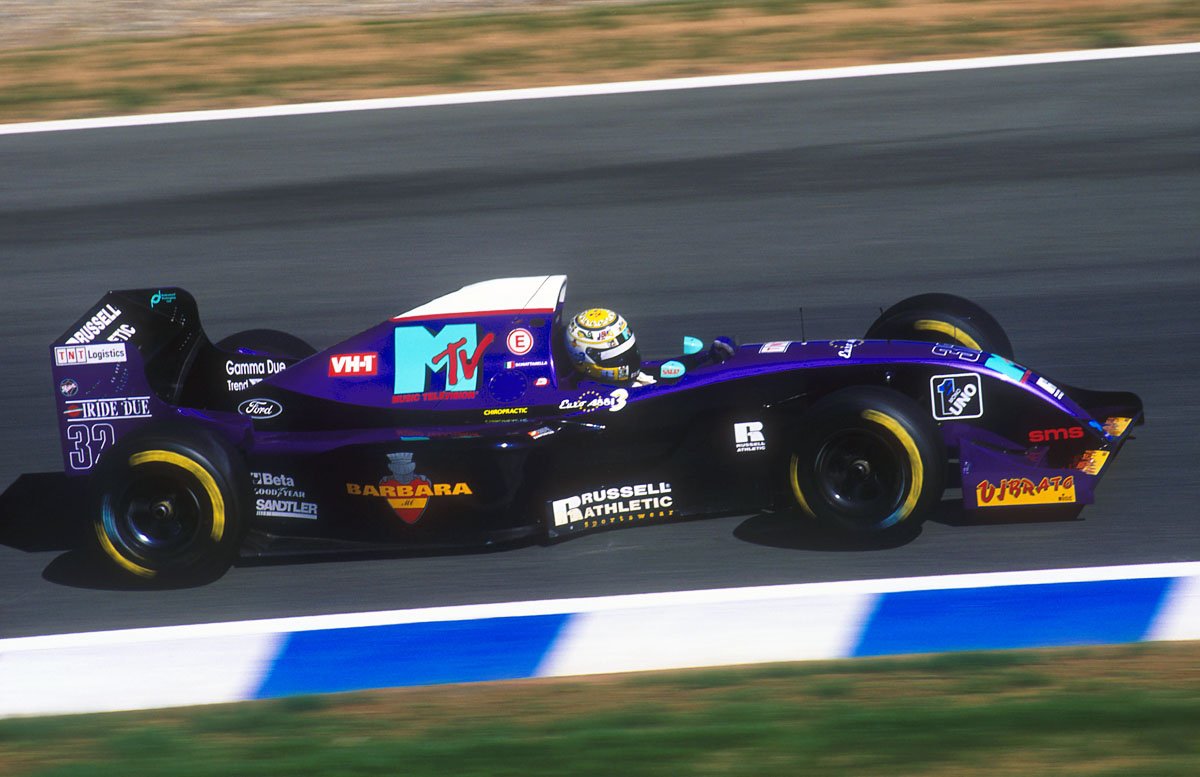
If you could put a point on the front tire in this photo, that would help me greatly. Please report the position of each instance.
(869, 461)
(942, 318)
(169, 506)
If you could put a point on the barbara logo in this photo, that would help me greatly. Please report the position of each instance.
(1023, 491)
(438, 366)
(519, 342)
(96, 325)
(956, 397)
(89, 354)
(607, 506)
(114, 409)
(749, 437)
(343, 365)
(260, 408)
(407, 491)
(1055, 435)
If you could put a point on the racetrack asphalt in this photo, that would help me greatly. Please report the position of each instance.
(1064, 198)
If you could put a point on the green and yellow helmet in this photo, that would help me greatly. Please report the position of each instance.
(602, 346)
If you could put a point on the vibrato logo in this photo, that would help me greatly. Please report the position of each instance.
(956, 397)
(437, 366)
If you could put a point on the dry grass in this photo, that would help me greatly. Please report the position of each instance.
(340, 59)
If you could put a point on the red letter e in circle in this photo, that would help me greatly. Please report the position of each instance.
(520, 342)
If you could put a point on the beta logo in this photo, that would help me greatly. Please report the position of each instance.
(956, 397)
(353, 365)
(1055, 435)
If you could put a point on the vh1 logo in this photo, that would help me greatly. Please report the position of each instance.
(344, 365)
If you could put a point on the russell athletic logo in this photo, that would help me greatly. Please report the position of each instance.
(607, 506)
(749, 437)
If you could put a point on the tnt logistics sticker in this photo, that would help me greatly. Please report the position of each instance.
(1014, 492)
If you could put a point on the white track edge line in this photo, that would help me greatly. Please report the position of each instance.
(602, 603)
(592, 90)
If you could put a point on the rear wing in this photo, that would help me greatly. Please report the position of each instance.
(120, 365)
(163, 325)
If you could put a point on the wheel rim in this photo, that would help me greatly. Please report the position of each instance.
(159, 516)
(861, 476)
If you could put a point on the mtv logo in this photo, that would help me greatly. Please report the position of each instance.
(455, 353)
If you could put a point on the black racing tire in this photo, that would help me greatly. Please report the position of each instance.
(268, 342)
(868, 461)
(942, 318)
(169, 506)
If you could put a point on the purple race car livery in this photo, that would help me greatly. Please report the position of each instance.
(466, 423)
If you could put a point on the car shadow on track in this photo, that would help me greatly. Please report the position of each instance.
(792, 531)
(42, 511)
(46, 511)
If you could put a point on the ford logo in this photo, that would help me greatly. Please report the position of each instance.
(260, 408)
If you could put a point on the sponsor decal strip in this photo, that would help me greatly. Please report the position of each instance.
(222, 662)
(112, 409)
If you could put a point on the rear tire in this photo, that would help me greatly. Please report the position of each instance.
(869, 462)
(168, 506)
(942, 318)
(268, 342)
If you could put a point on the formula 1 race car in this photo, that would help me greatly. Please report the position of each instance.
(464, 422)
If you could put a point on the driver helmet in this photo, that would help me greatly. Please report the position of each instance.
(602, 346)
